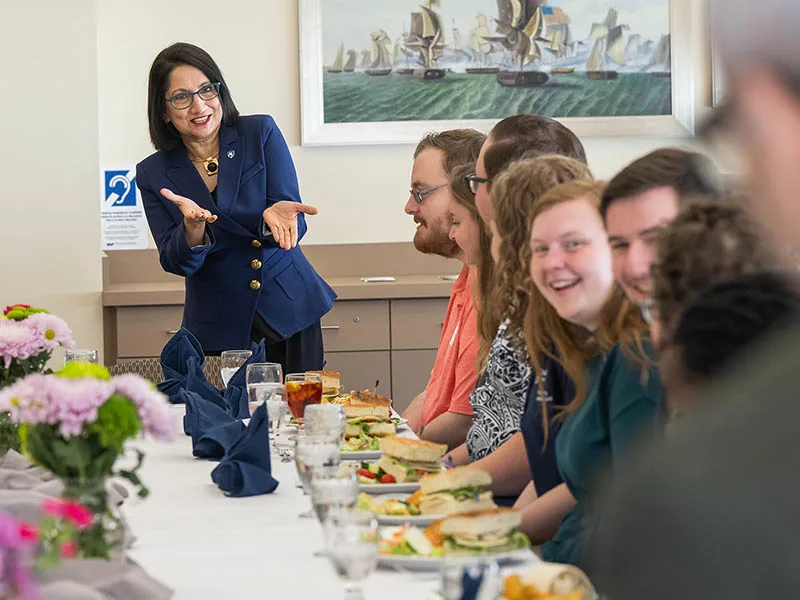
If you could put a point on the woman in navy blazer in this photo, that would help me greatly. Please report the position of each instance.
(223, 204)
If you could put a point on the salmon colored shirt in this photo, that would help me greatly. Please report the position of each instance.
(455, 372)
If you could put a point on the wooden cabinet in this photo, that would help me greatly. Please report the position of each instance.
(356, 325)
(142, 331)
(411, 370)
(417, 323)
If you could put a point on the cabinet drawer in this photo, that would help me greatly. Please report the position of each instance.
(143, 330)
(357, 325)
(360, 370)
(417, 324)
(411, 370)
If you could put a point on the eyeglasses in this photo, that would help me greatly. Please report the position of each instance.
(183, 100)
(419, 195)
(473, 181)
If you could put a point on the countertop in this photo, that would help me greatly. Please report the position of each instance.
(347, 288)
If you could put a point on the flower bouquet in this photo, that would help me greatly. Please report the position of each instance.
(28, 337)
(75, 424)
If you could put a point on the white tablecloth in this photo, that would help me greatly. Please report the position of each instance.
(205, 545)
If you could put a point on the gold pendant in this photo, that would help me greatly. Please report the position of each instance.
(211, 165)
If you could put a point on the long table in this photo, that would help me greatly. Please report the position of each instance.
(205, 545)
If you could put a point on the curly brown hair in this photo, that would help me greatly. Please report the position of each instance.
(514, 194)
(709, 242)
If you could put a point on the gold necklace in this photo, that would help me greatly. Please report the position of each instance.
(211, 164)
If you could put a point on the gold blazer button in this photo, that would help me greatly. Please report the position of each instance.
(255, 285)
(255, 264)
(255, 244)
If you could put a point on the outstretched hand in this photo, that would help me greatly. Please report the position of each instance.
(192, 213)
(281, 218)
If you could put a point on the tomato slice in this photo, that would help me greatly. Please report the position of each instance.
(366, 473)
(388, 479)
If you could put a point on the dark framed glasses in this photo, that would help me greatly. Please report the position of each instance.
(183, 100)
(419, 195)
(473, 181)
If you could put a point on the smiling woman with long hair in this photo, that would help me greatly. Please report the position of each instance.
(579, 317)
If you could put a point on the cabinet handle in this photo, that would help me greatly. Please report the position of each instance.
(171, 331)
(330, 327)
(448, 277)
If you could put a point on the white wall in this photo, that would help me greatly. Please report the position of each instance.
(360, 191)
(73, 98)
(50, 224)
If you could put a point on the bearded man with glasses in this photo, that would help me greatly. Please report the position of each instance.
(442, 411)
(223, 205)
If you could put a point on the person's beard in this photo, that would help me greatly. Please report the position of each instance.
(434, 240)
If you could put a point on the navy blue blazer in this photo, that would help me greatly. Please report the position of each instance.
(240, 270)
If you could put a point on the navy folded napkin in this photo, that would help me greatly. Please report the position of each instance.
(246, 469)
(236, 392)
(201, 415)
(471, 585)
(174, 362)
(215, 443)
(196, 382)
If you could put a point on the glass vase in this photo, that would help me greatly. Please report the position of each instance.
(105, 536)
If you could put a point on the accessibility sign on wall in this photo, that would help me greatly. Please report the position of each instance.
(124, 225)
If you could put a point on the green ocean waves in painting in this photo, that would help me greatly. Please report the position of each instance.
(359, 98)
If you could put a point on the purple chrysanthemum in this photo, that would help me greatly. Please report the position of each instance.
(54, 330)
(152, 405)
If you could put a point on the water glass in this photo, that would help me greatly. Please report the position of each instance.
(230, 361)
(326, 419)
(482, 569)
(353, 547)
(77, 355)
(333, 488)
(312, 452)
(264, 382)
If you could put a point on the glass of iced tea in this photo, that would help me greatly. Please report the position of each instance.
(302, 389)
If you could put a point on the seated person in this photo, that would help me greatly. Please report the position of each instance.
(442, 412)
(602, 342)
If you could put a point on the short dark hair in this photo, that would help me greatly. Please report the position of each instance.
(688, 173)
(528, 136)
(727, 319)
(163, 135)
(460, 147)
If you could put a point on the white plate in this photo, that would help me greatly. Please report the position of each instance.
(388, 488)
(361, 455)
(434, 563)
(394, 520)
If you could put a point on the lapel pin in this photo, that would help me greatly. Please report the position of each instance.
(231, 154)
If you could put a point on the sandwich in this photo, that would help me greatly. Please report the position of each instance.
(493, 530)
(367, 397)
(407, 459)
(330, 382)
(368, 420)
(455, 491)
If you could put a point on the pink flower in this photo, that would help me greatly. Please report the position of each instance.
(152, 405)
(17, 341)
(69, 550)
(77, 514)
(52, 507)
(28, 532)
(52, 329)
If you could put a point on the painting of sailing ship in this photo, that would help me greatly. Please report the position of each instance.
(444, 60)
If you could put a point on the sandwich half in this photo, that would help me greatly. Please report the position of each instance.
(371, 420)
(367, 397)
(407, 459)
(455, 491)
(494, 530)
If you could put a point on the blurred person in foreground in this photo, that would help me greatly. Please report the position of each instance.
(712, 510)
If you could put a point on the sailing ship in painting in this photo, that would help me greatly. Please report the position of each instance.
(525, 43)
